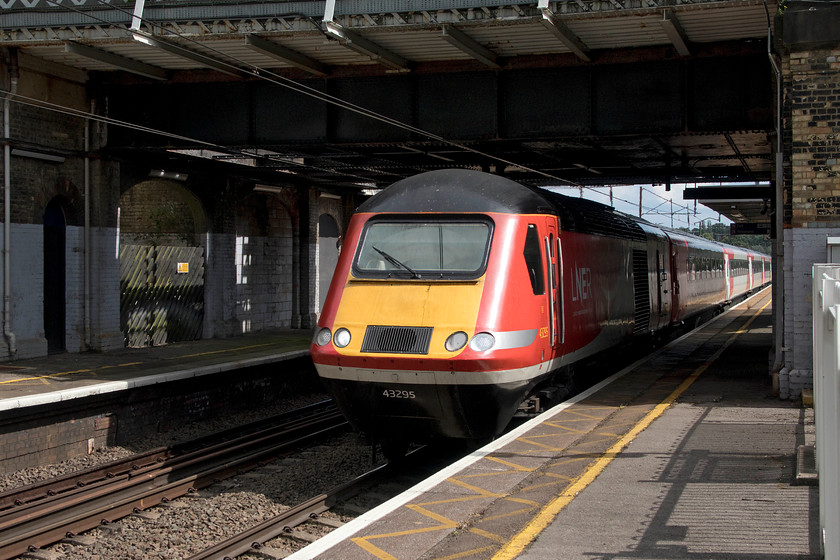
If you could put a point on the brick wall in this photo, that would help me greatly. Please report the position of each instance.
(27, 278)
(34, 183)
(105, 289)
(812, 115)
(813, 95)
(74, 325)
(282, 230)
(33, 443)
(220, 286)
(54, 432)
(161, 212)
(264, 263)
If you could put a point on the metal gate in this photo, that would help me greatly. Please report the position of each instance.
(161, 294)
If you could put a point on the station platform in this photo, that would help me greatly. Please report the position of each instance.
(684, 454)
(65, 406)
(63, 377)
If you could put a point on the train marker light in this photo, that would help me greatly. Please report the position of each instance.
(323, 337)
(482, 342)
(456, 341)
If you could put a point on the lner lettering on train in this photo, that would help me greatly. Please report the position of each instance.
(582, 284)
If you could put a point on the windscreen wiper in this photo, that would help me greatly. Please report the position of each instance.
(396, 262)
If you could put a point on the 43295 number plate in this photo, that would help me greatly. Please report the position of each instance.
(398, 394)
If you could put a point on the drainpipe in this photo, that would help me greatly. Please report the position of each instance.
(7, 209)
(778, 218)
(88, 341)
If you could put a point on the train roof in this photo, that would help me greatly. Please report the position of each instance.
(588, 216)
(460, 190)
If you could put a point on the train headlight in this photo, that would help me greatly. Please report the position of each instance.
(323, 337)
(341, 337)
(456, 341)
(482, 342)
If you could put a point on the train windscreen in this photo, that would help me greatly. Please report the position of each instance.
(445, 249)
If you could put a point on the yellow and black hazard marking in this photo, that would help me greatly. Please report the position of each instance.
(495, 508)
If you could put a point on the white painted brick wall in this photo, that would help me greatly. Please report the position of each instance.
(27, 290)
(105, 291)
(220, 286)
(263, 282)
(803, 248)
(74, 297)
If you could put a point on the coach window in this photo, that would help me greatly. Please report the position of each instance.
(533, 260)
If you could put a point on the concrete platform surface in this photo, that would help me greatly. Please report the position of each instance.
(686, 454)
(60, 377)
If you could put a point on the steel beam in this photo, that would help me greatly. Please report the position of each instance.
(672, 28)
(560, 30)
(467, 44)
(287, 55)
(115, 60)
(184, 52)
(356, 42)
(729, 193)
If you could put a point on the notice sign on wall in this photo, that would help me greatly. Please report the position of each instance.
(183, 268)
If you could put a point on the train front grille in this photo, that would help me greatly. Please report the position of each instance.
(397, 340)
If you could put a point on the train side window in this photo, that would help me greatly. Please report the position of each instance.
(533, 260)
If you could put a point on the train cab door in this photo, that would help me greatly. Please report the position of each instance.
(663, 284)
(553, 257)
(750, 277)
(727, 276)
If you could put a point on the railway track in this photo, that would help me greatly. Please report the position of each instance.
(373, 487)
(284, 524)
(38, 515)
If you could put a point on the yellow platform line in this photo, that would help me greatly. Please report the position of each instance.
(517, 544)
(223, 351)
(63, 373)
(44, 378)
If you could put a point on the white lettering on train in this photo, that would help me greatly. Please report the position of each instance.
(581, 284)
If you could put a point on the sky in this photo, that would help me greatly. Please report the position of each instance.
(656, 203)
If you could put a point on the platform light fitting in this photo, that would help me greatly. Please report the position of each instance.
(38, 155)
(269, 189)
(163, 174)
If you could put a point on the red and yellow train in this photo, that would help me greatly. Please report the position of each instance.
(458, 294)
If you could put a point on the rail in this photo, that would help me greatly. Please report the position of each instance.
(826, 306)
(42, 514)
(252, 539)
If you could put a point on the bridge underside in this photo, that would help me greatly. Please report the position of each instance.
(645, 120)
(348, 95)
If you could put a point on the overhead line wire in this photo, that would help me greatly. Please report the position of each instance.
(61, 109)
(272, 77)
(264, 74)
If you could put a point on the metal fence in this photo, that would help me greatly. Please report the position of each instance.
(162, 294)
(826, 304)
